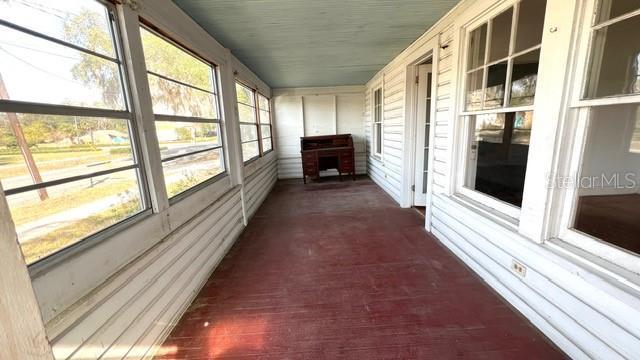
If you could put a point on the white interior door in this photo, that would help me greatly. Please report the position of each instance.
(423, 128)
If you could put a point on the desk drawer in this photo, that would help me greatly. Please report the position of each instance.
(346, 167)
(346, 154)
(309, 156)
(310, 169)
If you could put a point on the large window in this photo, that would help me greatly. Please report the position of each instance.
(185, 103)
(377, 122)
(254, 114)
(265, 124)
(501, 73)
(604, 186)
(68, 160)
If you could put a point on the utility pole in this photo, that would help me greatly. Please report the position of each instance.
(22, 144)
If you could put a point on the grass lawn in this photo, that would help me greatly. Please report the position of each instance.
(67, 235)
(14, 165)
(55, 204)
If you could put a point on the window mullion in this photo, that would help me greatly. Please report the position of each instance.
(512, 45)
(485, 72)
(257, 112)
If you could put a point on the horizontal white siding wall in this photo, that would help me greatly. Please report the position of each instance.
(581, 312)
(258, 185)
(386, 171)
(443, 110)
(317, 111)
(586, 310)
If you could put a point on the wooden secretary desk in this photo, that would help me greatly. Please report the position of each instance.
(327, 152)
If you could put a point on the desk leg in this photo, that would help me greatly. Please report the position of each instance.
(304, 178)
(353, 174)
(339, 175)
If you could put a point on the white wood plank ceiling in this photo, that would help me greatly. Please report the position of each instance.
(301, 43)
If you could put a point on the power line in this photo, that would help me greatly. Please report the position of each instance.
(53, 74)
(40, 51)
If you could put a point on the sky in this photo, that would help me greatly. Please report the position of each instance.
(38, 70)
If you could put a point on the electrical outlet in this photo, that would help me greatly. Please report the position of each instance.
(518, 268)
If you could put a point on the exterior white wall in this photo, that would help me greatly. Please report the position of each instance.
(120, 297)
(317, 111)
(386, 170)
(587, 307)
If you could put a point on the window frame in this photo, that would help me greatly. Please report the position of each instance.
(501, 210)
(576, 132)
(377, 122)
(216, 91)
(128, 113)
(270, 124)
(256, 115)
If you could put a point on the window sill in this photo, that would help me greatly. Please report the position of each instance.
(488, 212)
(617, 281)
(191, 191)
(43, 265)
(253, 159)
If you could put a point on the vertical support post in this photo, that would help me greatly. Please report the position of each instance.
(231, 121)
(143, 107)
(22, 332)
(14, 123)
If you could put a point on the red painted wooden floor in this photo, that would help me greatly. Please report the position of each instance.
(337, 270)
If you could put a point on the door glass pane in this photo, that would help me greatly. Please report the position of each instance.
(500, 36)
(188, 171)
(635, 137)
(474, 90)
(37, 70)
(425, 172)
(615, 60)
(178, 138)
(84, 23)
(497, 158)
(496, 80)
(61, 147)
(72, 211)
(608, 190)
(524, 77)
(426, 135)
(477, 47)
(530, 24)
(611, 9)
(378, 130)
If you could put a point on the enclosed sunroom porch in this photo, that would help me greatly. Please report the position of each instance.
(370, 179)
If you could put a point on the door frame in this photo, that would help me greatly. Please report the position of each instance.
(411, 117)
(421, 138)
